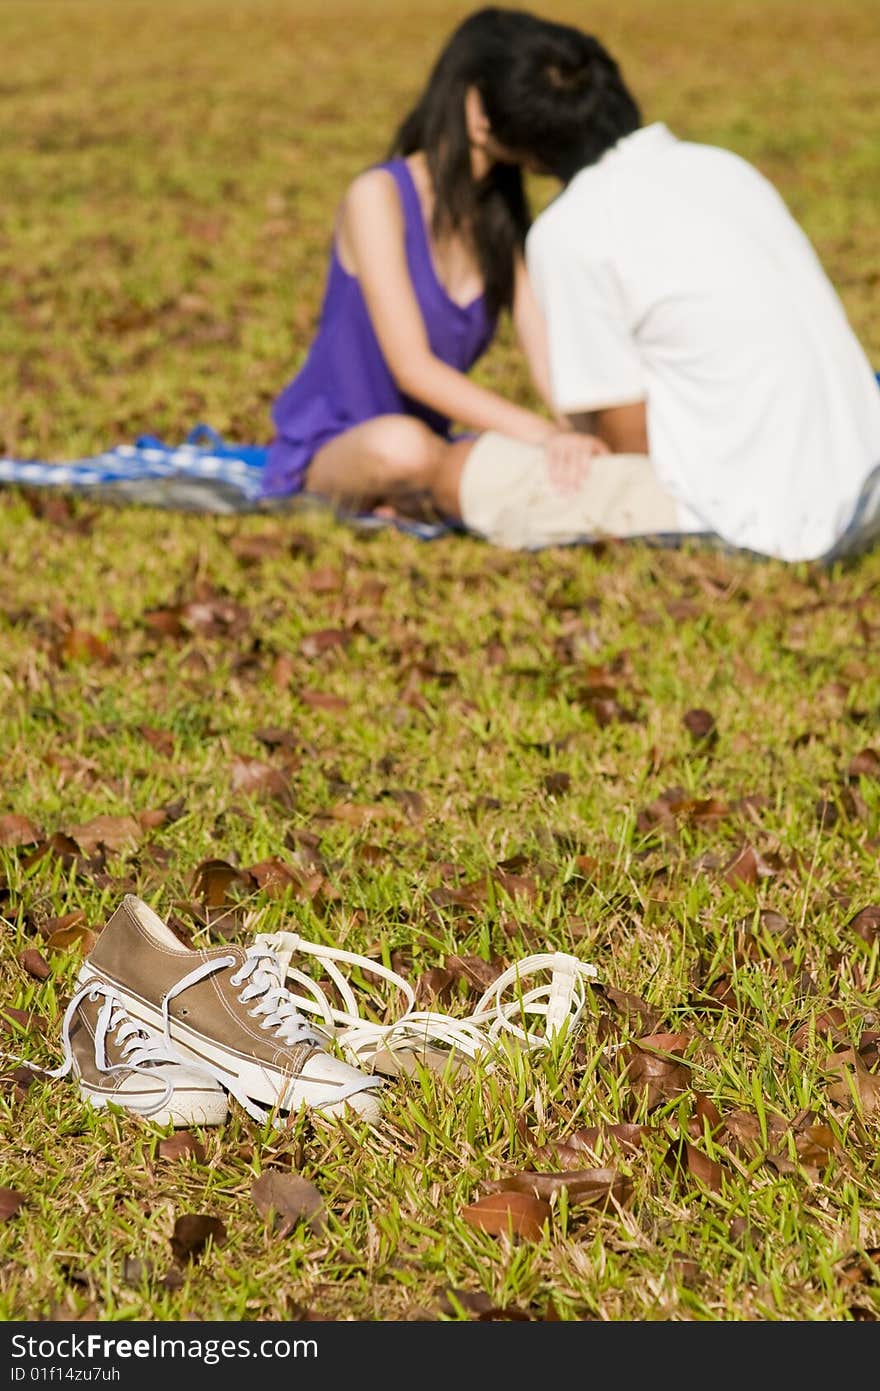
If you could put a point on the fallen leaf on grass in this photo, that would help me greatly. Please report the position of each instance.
(322, 700)
(79, 645)
(683, 1157)
(474, 970)
(866, 923)
(568, 1152)
(634, 1009)
(258, 779)
(314, 644)
(504, 1212)
(212, 879)
(654, 1064)
(456, 1301)
(557, 784)
(595, 1186)
(79, 938)
(861, 1269)
(35, 964)
(63, 921)
(854, 1080)
(741, 868)
(192, 1233)
(14, 1021)
(359, 814)
(706, 1116)
(182, 1145)
(162, 740)
(275, 877)
(18, 830)
(287, 1199)
(10, 1202)
(113, 833)
(701, 726)
(865, 764)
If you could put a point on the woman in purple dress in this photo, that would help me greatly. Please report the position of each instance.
(427, 255)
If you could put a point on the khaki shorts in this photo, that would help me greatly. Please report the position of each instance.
(507, 497)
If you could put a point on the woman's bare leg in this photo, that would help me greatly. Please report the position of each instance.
(393, 461)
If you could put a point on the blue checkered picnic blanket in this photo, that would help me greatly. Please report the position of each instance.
(203, 474)
(239, 466)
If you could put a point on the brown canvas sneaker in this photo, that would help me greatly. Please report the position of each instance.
(227, 1009)
(115, 1059)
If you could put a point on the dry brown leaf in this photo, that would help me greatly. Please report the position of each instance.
(192, 1233)
(853, 1077)
(595, 1186)
(322, 700)
(314, 644)
(478, 973)
(212, 880)
(742, 867)
(684, 1157)
(633, 1008)
(286, 1200)
(705, 1116)
(182, 1145)
(700, 724)
(18, 830)
(13, 1020)
(10, 1203)
(162, 740)
(58, 924)
(654, 1064)
(864, 764)
(113, 833)
(359, 814)
(80, 939)
(79, 645)
(258, 779)
(283, 669)
(35, 964)
(866, 923)
(520, 1214)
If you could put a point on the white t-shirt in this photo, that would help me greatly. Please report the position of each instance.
(673, 273)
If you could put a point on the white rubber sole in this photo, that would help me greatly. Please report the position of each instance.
(184, 1107)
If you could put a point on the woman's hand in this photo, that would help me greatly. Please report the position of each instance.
(569, 454)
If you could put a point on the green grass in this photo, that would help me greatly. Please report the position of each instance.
(175, 171)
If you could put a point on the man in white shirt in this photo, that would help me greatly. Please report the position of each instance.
(689, 324)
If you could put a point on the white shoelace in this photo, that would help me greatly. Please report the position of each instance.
(262, 976)
(560, 1002)
(140, 1049)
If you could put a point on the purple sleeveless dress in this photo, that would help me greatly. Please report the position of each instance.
(345, 380)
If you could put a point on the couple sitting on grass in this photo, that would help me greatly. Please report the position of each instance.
(700, 374)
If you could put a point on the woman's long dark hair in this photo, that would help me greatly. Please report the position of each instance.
(492, 212)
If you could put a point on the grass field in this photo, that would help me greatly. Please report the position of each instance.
(440, 755)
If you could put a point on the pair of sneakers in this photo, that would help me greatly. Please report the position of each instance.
(169, 1032)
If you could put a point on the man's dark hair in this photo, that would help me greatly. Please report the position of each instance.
(562, 101)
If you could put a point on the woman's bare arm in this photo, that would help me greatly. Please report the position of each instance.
(371, 246)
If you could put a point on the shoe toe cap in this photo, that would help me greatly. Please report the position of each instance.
(337, 1088)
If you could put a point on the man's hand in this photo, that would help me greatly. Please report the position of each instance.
(568, 458)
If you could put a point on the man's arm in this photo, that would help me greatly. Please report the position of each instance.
(596, 372)
(623, 428)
